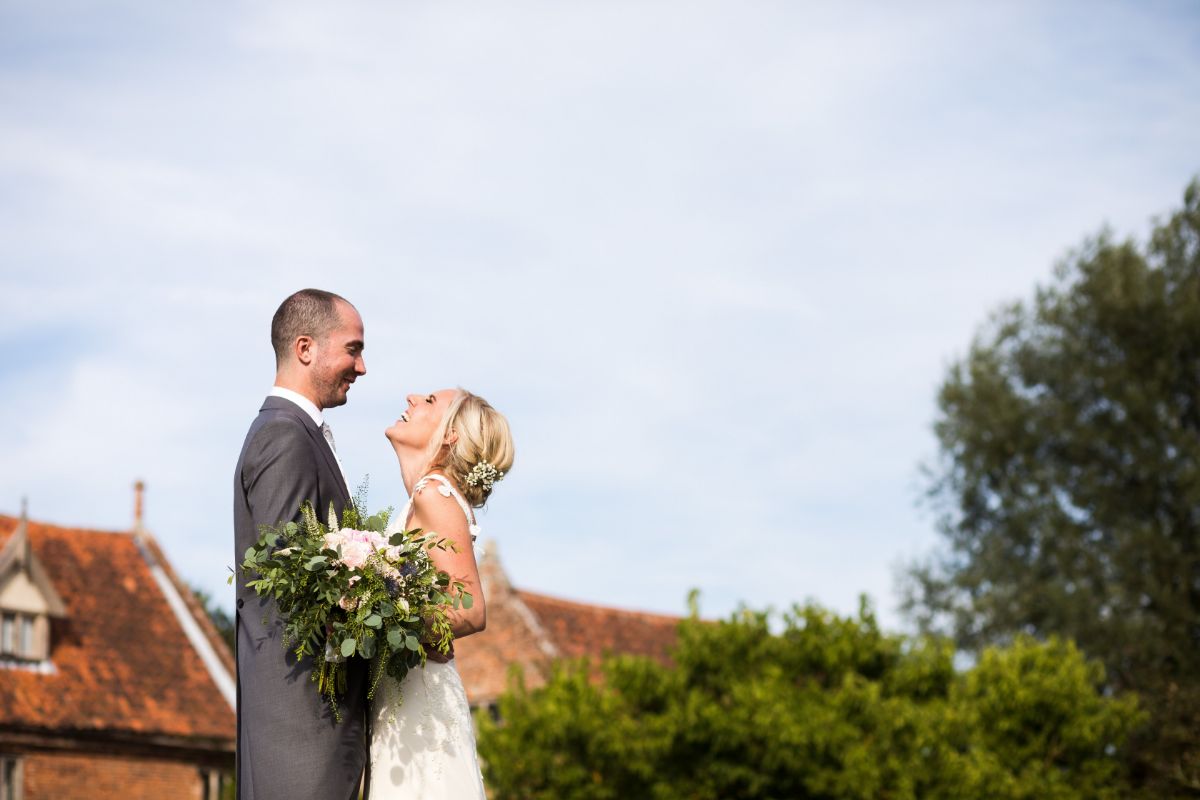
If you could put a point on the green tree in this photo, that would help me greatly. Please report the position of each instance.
(830, 708)
(1068, 483)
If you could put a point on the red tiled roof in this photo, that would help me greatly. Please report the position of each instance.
(580, 629)
(485, 659)
(122, 661)
(533, 630)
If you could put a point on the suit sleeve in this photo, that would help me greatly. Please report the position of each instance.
(280, 473)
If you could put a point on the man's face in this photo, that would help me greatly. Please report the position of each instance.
(338, 360)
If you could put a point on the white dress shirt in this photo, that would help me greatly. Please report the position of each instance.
(310, 408)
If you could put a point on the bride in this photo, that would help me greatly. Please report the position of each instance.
(452, 448)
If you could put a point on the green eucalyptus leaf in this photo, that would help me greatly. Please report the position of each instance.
(395, 637)
(348, 646)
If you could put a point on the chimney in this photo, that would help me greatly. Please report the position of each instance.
(139, 491)
(23, 531)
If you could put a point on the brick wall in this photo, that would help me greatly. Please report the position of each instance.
(62, 776)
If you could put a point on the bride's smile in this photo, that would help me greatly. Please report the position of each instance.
(416, 426)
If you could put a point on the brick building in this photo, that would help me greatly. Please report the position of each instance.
(533, 630)
(113, 681)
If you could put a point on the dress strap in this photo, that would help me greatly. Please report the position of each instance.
(447, 490)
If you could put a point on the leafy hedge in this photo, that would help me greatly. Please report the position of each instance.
(828, 707)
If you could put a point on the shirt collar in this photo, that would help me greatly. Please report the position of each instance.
(305, 404)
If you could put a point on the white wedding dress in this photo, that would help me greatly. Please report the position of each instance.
(422, 738)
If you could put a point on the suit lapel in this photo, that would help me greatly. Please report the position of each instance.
(330, 459)
(273, 403)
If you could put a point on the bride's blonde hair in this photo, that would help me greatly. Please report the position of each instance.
(482, 435)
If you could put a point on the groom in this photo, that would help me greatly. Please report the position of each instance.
(288, 745)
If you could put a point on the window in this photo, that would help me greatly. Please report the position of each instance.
(25, 647)
(23, 636)
(214, 785)
(10, 778)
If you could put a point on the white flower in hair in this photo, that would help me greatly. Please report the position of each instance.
(485, 475)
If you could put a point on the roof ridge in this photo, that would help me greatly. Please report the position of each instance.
(44, 527)
(193, 627)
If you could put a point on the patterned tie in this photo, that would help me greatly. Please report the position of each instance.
(327, 432)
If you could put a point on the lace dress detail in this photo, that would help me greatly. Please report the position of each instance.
(423, 738)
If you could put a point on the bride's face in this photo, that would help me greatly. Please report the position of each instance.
(420, 420)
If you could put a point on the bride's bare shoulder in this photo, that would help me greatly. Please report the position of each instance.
(432, 500)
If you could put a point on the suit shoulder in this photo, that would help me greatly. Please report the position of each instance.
(276, 422)
(277, 435)
(280, 421)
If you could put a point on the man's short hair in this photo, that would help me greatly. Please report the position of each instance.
(308, 312)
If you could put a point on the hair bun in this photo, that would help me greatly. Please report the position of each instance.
(482, 452)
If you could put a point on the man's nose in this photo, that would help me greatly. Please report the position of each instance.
(360, 365)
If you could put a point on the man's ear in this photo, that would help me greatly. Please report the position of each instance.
(305, 349)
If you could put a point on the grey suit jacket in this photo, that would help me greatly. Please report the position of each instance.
(288, 745)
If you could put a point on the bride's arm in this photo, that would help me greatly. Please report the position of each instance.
(434, 512)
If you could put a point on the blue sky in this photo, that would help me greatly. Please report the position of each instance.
(711, 259)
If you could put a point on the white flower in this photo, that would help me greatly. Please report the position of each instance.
(484, 474)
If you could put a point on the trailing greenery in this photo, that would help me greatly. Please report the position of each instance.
(830, 708)
(1069, 481)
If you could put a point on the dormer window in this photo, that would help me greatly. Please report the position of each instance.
(27, 602)
(24, 636)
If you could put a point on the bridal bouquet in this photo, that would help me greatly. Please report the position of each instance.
(352, 590)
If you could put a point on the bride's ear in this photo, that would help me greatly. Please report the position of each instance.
(451, 437)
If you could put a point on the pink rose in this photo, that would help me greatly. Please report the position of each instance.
(355, 554)
(376, 540)
(333, 540)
